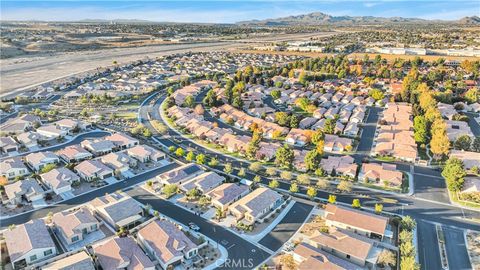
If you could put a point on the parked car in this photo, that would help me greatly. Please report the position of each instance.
(193, 226)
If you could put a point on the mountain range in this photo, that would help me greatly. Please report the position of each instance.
(319, 18)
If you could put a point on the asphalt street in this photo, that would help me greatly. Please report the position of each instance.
(287, 227)
(241, 253)
(429, 252)
(457, 254)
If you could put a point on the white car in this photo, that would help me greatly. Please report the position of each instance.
(193, 226)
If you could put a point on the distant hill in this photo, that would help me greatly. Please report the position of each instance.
(470, 20)
(319, 18)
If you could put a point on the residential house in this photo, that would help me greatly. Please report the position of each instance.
(339, 165)
(471, 184)
(203, 182)
(145, 153)
(447, 110)
(256, 205)
(122, 141)
(360, 222)
(80, 260)
(379, 174)
(74, 226)
(28, 190)
(29, 139)
(166, 243)
(351, 129)
(347, 246)
(455, 129)
(180, 175)
(60, 180)
(13, 167)
(29, 243)
(41, 159)
(117, 209)
(74, 153)
(470, 159)
(122, 253)
(307, 122)
(120, 162)
(98, 147)
(308, 257)
(298, 136)
(334, 143)
(224, 195)
(51, 132)
(20, 124)
(8, 145)
(90, 170)
(70, 126)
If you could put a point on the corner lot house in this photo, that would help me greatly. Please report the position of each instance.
(40, 159)
(71, 126)
(379, 173)
(180, 174)
(74, 153)
(469, 159)
(360, 222)
(122, 141)
(13, 167)
(225, 194)
(27, 189)
(254, 206)
(60, 179)
(75, 225)
(51, 132)
(347, 246)
(122, 253)
(145, 153)
(89, 170)
(29, 243)
(80, 260)
(118, 210)
(166, 243)
(308, 257)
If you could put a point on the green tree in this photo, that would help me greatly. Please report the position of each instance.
(378, 208)
(257, 179)
(282, 118)
(420, 129)
(407, 223)
(273, 184)
(228, 169)
(284, 156)
(276, 94)
(294, 121)
(200, 159)
(180, 152)
(356, 203)
(311, 192)
(329, 126)
(48, 168)
(332, 199)
(189, 102)
(317, 137)
(210, 99)
(386, 257)
(376, 94)
(241, 172)
(170, 190)
(409, 263)
(463, 143)
(471, 96)
(293, 188)
(454, 174)
(311, 160)
(476, 144)
(213, 162)
(190, 156)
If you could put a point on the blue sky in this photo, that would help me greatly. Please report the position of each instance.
(230, 11)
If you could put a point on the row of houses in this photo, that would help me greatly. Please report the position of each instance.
(246, 206)
(154, 243)
(394, 134)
